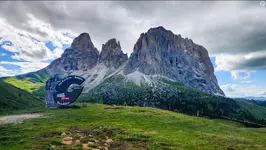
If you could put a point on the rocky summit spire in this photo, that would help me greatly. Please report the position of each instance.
(112, 55)
(161, 52)
(82, 55)
(82, 42)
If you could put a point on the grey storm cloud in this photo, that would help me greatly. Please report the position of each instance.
(221, 27)
(36, 54)
(252, 64)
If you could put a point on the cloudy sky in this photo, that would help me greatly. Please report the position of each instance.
(32, 34)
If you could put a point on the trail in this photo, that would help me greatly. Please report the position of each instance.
(18, 118)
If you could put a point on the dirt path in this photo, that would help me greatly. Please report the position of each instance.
(18, 118)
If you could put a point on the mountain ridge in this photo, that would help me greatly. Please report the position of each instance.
(152, 56)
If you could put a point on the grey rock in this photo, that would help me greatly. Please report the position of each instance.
(112, 55)
(161, 52)
(82, 55)
(156, 52)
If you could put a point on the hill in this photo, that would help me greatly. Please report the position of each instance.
(33, 82)
(12, 98)
(124, 127)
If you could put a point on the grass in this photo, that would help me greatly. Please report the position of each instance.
(13, 99)
(159, 129)
(24, 84)
(33, 83)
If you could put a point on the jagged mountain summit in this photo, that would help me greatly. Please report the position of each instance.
(112, 55)
(82, 55)
(160, 52)
(157, 54)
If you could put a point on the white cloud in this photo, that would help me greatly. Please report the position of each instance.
(3, 71)
(6, 72)
(241, 65)
(30, 46)
(237, 75)
(26, 67)
(57, 52)
(241, 62)
(237, 90)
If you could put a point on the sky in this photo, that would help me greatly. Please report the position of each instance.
(32, 33)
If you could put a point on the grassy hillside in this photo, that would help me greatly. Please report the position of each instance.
(31, 82)
(254, 107)
(12, 98)
(172, 96)
(118, 127)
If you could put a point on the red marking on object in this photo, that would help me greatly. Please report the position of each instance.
(65, 98)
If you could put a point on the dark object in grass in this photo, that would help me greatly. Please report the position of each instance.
(69, 107)
(114, 107)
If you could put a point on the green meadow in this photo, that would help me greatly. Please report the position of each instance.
(98, 126)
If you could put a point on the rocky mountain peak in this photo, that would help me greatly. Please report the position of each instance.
(112, 44)
(161, 52)
(112, 54)
(159, 29)
(82, 55)
(82, 42)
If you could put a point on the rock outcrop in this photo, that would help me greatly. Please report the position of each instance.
(112, 55)
(160, 52)
(82, 55)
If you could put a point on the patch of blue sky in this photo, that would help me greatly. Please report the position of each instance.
(68, 35)
(10, 66)
(8, 55)
(50, 45)
(213, 61)
(47, 61)
(223, 77)
(65, 46)
(258, 78)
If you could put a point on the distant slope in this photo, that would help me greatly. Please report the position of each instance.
(172, 96)
(258, 108)
(33, 82)
(133, 128)
(255, 98)
(12, 98)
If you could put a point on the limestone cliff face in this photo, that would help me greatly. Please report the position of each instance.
(82, 55)
(157, 52)
(112, 55)
(160, 52)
